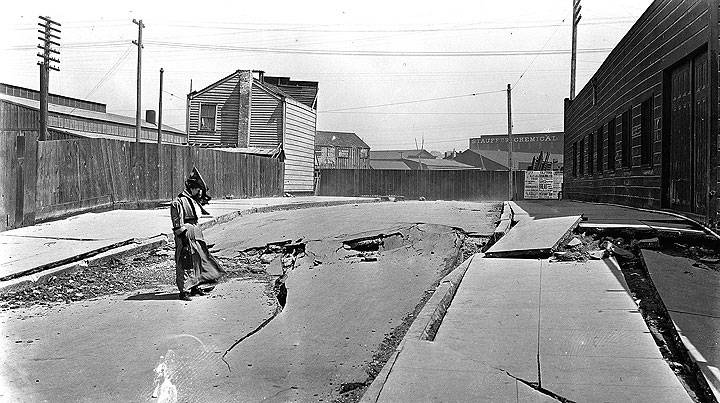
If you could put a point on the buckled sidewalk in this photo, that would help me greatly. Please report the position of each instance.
(29, 253)
(511, 329)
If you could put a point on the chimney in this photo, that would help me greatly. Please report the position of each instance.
(150, 116)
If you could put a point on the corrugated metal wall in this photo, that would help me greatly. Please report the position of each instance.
(299, 146)
(230, 97)
(635, 72)
(266, 119)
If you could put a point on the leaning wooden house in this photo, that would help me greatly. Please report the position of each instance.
(261, 115)
(644, 130)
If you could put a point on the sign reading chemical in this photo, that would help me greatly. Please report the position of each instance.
(533, 142)
(543, 185)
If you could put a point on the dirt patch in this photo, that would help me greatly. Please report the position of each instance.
(147, 270)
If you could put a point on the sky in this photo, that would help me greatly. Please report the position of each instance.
(400, 74)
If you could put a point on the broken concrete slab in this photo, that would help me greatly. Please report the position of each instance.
(534, 238)
(425, 367)
(690, 295)
(601, 378)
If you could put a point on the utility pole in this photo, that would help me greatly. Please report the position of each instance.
(573, 55)
(49, 28)
(159, 122)
(159, 137)
(510, 145)
(139, 45)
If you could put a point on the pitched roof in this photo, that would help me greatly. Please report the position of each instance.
(519, 158)
(88, 114)
(399, 154)
(388, 164)
(474, 158)
(443, 164)
(339, 139)
(302, 91)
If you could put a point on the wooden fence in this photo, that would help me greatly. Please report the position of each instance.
(81, 174)
(461, 184)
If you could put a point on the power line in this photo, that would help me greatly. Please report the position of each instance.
(372, 52)
(442, 113)
(411, 102)
(536, 56)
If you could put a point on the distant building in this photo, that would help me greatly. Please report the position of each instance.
(478, 160)
(436, 164)
(341, 150)
(411, 159)
(76, 118)
(551, 142)
(521, 160)
(264, 115)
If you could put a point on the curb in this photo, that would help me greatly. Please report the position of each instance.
(424, 326)
(134, 246)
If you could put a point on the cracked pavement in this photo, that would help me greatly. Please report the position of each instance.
(135, 345)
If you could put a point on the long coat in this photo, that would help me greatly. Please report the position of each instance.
(194, 265)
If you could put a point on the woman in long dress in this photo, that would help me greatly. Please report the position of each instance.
(194, 265)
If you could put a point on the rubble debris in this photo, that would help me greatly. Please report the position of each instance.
(648, 243)
(573, 243)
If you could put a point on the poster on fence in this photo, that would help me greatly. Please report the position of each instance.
(544, 185)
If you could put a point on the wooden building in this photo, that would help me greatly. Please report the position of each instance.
(643, 131)
(341, 150)
(70, 118)
(266, 115)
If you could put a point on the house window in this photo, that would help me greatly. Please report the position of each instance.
(646, 118)
(627, 138)
(343, 152)
(364, 152)
(574, 159)
(582, 157)
(207, 117)
(599, 148)
(611, 145)
(591, 152)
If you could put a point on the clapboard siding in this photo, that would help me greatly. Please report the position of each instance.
(299, 147)
(231, 97)
(266, 119)
(635, 71)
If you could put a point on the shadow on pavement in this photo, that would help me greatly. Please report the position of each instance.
(153, 296)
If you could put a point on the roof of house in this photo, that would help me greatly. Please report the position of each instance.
(474, 158)
(88, 114)
(520, 157)
(442, 164)
(304, 92)
(399, 154)
(339, 139)
(388, 164)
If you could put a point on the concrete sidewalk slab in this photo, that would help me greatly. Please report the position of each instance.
(597, 213)
(534, 238)
(581, 339)
(691, 297)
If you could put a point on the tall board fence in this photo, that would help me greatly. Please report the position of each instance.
(460, 184)
(82, 174)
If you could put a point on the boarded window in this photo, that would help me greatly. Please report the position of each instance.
(582, 157)
(611, 145)
(343, 152)
(646, 116)
(591, 152)
(575, 159)
(207, 117)
(627, 138)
